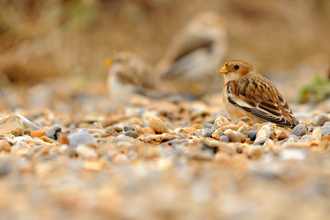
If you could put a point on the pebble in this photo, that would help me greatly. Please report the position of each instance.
(4, 145)
(235, 136)
(86, 152)
(254, 153)
(246, 119)
(252, 135)
(317, 133)
(158, 125)
(37, 133)
(173, 142)
(310, 128)
(26, 124)
(47, 139)
(306, 137)
(132, 134)
(113, 128)
(20, 138)
(243, 130)
(80, 137)
(263, 134)
(281, 135)
(20, 149)
(148, 130)
(128, 128)
(10, 125)
(260, 142)
(217, 134)
(325, 130)
(207, 125)
(165, 138)
(231, 127)
(319, 120)
(219, 122)
(224, 139)
(113, 155)
(54, 132)
(137, 129)
(299, 130)
(293, 138)
(213, 150)
(201, 133)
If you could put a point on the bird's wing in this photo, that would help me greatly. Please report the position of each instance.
(177, 58)
(259, 96)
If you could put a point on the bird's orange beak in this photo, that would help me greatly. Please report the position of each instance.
(107, 62)
(224, 70)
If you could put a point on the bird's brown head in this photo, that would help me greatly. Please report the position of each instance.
(236, 69)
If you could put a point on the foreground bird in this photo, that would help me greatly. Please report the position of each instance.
(130, 76)
(247, 93)
(194, 54)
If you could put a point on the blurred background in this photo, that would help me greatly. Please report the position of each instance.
(43, 41)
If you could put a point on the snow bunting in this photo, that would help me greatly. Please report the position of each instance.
(194, 54)
(247, 93)
(129, 76)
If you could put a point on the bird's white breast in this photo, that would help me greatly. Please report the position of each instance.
(119, 91)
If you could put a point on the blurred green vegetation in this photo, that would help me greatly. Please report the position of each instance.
(315, 91)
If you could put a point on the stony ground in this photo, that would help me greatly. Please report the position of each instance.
(166, 159)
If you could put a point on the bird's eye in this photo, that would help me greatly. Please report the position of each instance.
(236, 67)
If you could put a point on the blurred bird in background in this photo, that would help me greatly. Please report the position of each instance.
(130, 76)
(194, 55)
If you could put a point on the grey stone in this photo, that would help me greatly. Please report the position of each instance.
(305, 138)
(113, 128)
(192, 133)
(283, 141)
(207, 125)
(224, 139)
(174, 142)
(260, 142)
(80, 137)
(54, 132)
(211, 149)
(293, 138)
(209, 133)
(325, 130)
(128, 128)
(252, 135)
(299, 130)
(310, 128)
(319, 120)
(200, 133)
(132, 134)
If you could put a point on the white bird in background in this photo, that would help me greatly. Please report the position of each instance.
(194, 55)
(130, 76)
